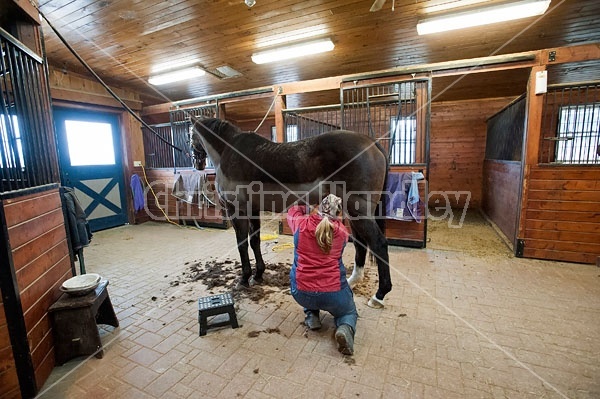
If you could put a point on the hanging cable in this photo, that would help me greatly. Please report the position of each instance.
(110, 91)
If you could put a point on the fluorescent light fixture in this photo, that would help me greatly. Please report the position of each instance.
(176, 76)
(483, 16)
(293, 51)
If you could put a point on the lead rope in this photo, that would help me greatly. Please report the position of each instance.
(268, 111)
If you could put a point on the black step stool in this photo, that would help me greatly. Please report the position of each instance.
(215, 305)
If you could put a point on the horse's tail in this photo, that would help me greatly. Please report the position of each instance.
(382, 204)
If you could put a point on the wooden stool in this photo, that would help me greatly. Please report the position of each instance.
(75, 320)
(214, 305)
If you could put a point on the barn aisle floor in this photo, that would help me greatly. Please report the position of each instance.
(465, 319)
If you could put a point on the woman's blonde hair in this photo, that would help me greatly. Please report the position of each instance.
(324, 235)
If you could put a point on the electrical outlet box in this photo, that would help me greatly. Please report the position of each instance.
(541, 82)
(137, 163)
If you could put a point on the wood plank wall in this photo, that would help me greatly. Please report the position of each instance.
(9, 381)
(457, 149)
(562, 217)
(41, 260)
(70, 86)
(501, 195)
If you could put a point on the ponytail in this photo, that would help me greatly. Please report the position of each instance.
(324, 235)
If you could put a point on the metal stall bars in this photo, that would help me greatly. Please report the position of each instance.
(571, 125)
(505, 132)
(176, 132)
(157, 153)
(396, 114)
(27, 146)
(301, 123)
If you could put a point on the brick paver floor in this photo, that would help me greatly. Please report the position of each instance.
(457, 324)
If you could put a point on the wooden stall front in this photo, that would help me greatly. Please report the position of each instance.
(9, 379)
(35, 251)
(562, 214)
(542, 170)
(37, 262)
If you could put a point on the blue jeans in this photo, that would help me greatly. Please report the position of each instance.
(339, 303)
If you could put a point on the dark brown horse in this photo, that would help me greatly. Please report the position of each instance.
(254, 174)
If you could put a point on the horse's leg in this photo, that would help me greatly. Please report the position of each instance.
(377, 242)
(380, 250)
(255, 245)
(360, 255)
(240, 225)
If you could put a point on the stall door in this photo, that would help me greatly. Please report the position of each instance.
(90, 162)
(397, 115)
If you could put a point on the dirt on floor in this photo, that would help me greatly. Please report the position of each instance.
(223, 275)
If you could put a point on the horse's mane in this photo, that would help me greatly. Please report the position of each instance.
(221, 126)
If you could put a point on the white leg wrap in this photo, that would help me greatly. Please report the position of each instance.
(357, 276)
(375, 303)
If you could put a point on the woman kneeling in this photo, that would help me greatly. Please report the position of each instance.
(318, 276)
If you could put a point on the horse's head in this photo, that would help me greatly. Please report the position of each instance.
(199, 153)
(210, 136)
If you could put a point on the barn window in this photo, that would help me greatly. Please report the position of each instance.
(291, 133)
(571, 125)
(90, 143)
(12, 147)
(577, 139)
(403, 140)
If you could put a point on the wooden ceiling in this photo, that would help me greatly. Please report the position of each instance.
(122, 40)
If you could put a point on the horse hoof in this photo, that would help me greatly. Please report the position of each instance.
(375, 303)
(254, 281)
(242, 286)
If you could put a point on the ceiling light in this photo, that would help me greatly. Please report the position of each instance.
(176, 76)
(293, 51)
(483, 16)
